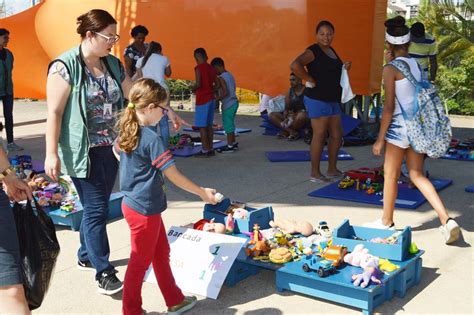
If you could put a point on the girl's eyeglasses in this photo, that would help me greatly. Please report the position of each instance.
(110, 39)
(165, 110)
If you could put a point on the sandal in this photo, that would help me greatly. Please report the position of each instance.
(319, 180)
(337, 176)
(293, 137)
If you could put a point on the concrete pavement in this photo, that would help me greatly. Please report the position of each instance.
(446, 282)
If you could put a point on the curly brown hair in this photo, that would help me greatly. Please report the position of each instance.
(143, 93)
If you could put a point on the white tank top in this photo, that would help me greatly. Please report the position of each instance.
(404, 89)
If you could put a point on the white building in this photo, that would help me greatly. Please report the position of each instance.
(406, 8)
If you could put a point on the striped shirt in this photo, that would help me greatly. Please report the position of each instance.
(423, 51)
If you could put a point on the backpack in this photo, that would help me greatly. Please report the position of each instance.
(428, 128)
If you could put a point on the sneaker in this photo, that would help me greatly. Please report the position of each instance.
(201, 155)
(14, 147)
(379, 225)
(187, 304)
(85, 265)
(109, 284)
(235, 146)
(450, 231)
(226, 149)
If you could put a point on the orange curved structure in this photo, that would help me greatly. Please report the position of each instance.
(258, 39)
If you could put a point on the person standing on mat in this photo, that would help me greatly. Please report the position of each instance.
(393, 135)
(206, 84)
(230, 104)
(322, 98)
(84, 84)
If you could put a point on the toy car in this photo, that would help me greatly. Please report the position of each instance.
(346, 183)
(335, 254)
(322, 266)
(364, 173)
(323, 230)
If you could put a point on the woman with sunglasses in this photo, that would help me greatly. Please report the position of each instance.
(85, 91)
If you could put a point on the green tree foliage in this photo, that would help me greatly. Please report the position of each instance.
(179, 89)
(452, 25)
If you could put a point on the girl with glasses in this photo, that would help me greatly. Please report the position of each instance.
(143, 162)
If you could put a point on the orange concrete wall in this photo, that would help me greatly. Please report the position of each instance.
(257, 38)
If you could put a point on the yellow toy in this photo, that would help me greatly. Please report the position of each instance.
(386, 265)
(280, 255)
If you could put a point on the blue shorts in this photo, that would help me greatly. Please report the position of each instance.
(10, 270)
(204, 115)
(317, 108)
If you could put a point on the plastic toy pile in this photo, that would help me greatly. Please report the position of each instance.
(365, 179)
(23, 165)
(61, 194)
(463, 150)
(179, 141)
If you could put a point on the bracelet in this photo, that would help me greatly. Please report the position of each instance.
(9, 170)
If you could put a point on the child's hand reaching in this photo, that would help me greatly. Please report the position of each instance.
(210, 195)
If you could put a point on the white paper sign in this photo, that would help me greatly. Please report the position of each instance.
(200, 260)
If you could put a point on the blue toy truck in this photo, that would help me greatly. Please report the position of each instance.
(323, 267)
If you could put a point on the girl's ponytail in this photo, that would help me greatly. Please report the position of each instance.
(129, 129)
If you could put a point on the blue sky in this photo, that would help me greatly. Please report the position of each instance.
(15, 6)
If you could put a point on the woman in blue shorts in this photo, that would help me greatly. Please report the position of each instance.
(322, 98)
(12, 295)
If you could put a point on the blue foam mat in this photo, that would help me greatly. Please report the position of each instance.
(458, 157)
(302, 156)
(188, 151)
(470, 189)
(221, 132)
(407, 198)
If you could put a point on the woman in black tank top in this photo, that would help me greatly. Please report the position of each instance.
(322, 98)
(294, 117)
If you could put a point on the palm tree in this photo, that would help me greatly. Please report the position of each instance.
(451, 24)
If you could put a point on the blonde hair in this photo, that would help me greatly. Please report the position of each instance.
(143, 93)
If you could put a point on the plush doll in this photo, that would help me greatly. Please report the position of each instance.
(240, 213)
(209, 226)
(358, 255)
(291, 226)
(371, 273)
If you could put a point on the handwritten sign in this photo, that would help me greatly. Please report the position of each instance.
(200, 261)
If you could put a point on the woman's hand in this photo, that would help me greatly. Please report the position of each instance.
(178, 122)
(52, 166)
(348, 65)
(16, 189)
(378, 147)
(208, 195)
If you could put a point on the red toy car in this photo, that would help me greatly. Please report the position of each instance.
(364, 173)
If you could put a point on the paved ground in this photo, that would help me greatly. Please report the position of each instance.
(446, 283)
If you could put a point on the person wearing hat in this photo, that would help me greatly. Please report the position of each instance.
(423, 48)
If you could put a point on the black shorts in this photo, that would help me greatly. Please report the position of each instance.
(10, 272)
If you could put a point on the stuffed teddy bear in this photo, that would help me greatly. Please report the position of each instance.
(371, 273)
(292, 226)
(358, 255)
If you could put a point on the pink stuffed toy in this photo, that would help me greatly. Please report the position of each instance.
(358, 255)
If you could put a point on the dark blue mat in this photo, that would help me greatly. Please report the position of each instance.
(188, 151)
(470, 189)
(461, 155)
(302, 156)
(221, 132)
(407, 198)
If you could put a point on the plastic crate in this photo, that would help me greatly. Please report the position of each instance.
(238, 272)
(349, 236)
(73, 219)
(261, 216)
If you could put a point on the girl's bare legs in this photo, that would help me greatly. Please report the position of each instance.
(320, 130)
(415, 163)
(393, 161)
(335, 142)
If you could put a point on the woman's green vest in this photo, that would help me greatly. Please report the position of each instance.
(73, 147)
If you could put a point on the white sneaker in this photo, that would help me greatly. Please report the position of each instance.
(379, 225)
(450, 231)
